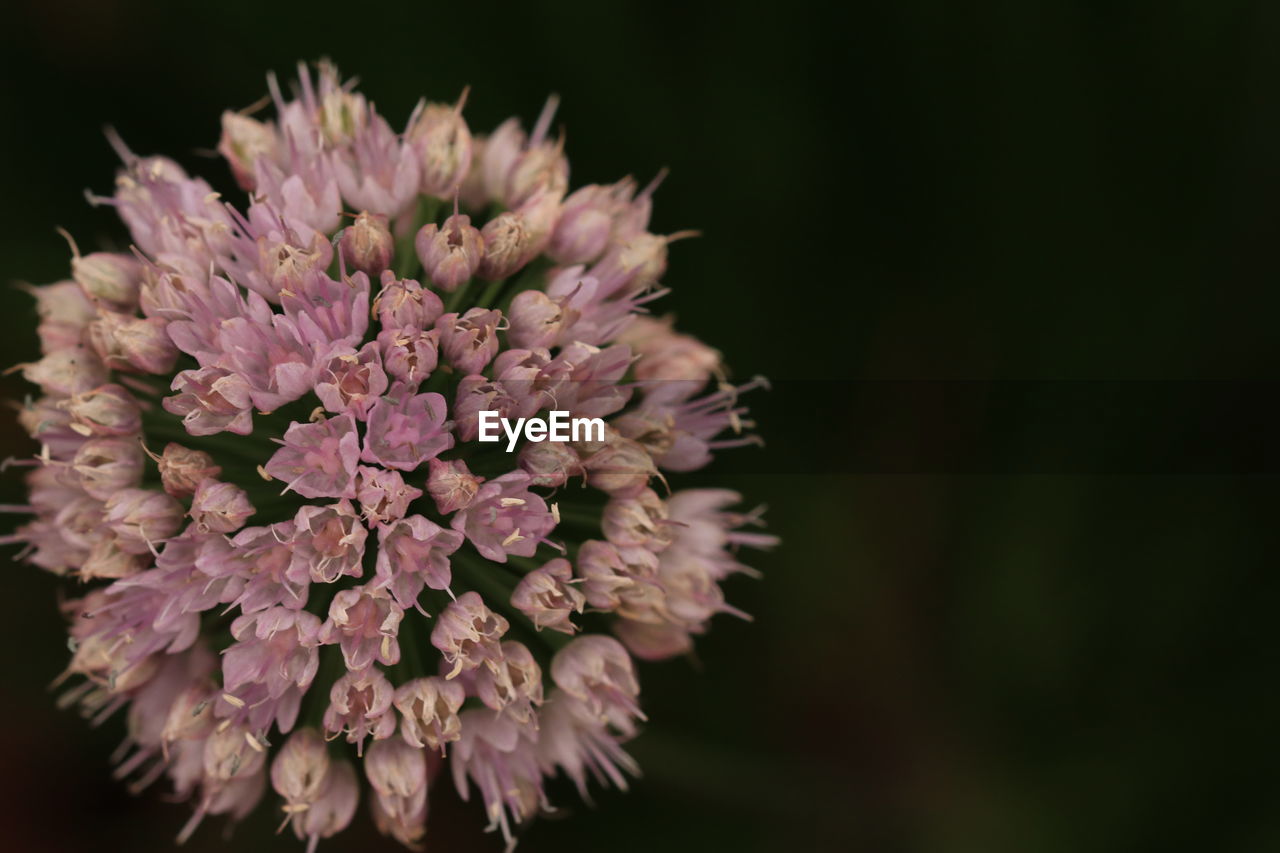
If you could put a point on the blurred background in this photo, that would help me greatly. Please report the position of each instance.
(1011, 268)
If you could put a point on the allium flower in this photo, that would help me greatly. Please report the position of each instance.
(258, 456)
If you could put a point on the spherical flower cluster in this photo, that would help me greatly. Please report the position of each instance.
(259, 459)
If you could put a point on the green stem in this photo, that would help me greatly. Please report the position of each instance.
(406, 261)
(453, 300)
(490, 293)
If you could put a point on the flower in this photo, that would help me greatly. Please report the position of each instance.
(312, 357)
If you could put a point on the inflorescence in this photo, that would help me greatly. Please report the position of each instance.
(259, 458)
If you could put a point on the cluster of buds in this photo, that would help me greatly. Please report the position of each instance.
(257, 454)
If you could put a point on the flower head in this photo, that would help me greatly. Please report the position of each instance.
(258, 457)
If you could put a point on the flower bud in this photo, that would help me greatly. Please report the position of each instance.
(108, 277)
(667, 355)
(451, 484)
(540, 168)
(405, 304)
(145, 345)
(536, 320)
(333, 810)
(506, 246)
(450, 254)
(190, 717)
(132, 343)
(443, 142)
(106, 466)
(622, 468)
(586, 223)
(367, 245)
(243, 141)
(540, 212)
(300, 771)
(549, 463)
(182, 469)
(107, 410)
(66, 371)
(395, 768)
(653, 430)
(107, 560)
(429, 712)
(220, 507)
(635, 264)
(142, 518)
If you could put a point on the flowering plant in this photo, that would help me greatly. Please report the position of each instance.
(258, 457)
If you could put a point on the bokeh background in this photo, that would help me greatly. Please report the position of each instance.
(1012, 268)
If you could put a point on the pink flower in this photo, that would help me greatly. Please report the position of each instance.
(450, 254)
(319, 460)
(405, 304)
(262, 306)
(269, 667)
(412, 553)
(571, 739)
(360, 706)
(469, 341)
(596, 670)
(452, 485)
(547, 596)
(364, 621)
(220, 507)
(264, 558)
(332, 810)
(211, 400)
(328, 542)
(429, 712)
(468, 634)
(352, 381)
(499, 756)
(397, 772)
(505, 518)
(406, 429)
(384, 497)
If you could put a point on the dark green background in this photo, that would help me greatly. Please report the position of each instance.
(1034, 625)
